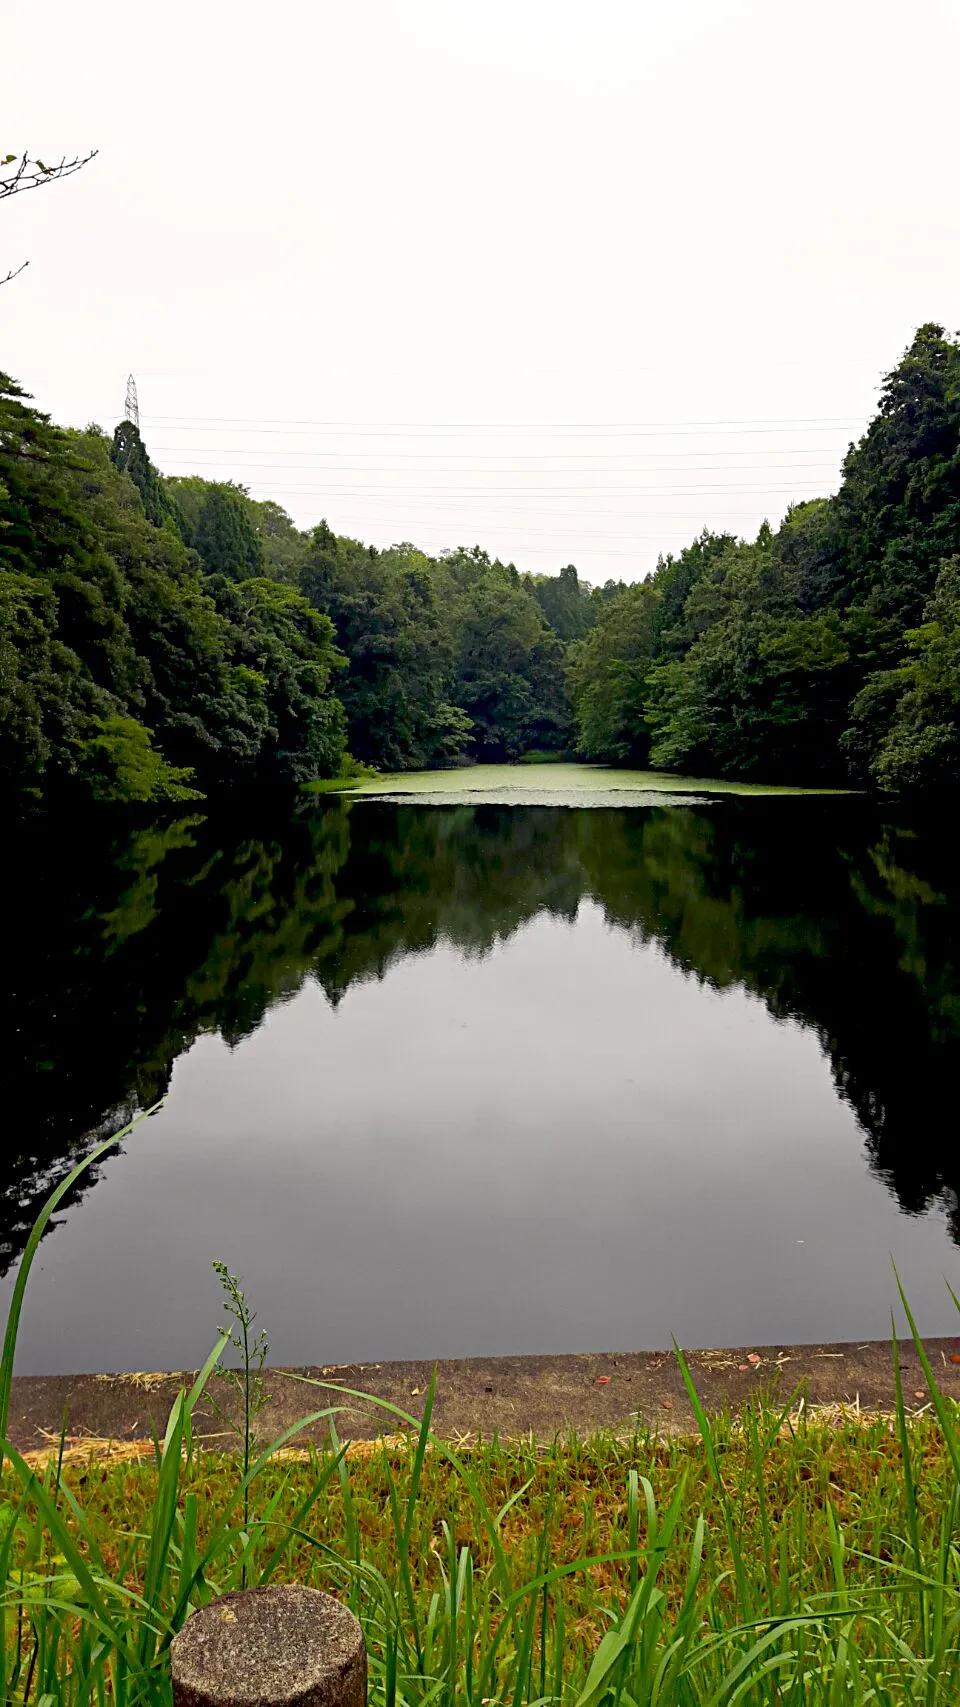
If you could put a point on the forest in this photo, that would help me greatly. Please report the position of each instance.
(161, 638)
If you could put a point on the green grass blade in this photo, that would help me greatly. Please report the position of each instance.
(30, 1250)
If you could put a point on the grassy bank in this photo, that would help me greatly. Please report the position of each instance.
(775, 1560)
(779, 1559)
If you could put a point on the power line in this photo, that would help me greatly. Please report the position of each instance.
(687, 518)
(521, 535)
(412, 494)
(477, 432)
(493, 515)
(204, 461)
(458, 460)
(513, 481)
(750, 423)
(555, 551)
(805, 469)
(515, 456)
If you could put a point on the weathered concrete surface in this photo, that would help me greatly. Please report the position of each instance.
(279, 1646)
(514, 1395)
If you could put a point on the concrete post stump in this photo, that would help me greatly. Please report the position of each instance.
(281, 1646)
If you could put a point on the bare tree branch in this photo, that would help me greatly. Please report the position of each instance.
(30, 174)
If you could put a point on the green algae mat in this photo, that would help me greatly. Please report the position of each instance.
(557, 785)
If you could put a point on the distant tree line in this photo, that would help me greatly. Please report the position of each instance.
(162, 637)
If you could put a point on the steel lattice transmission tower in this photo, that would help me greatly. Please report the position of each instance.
(131, 408)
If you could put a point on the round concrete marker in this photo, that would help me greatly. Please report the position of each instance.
(281, 1646)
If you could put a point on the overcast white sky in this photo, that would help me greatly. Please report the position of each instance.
(516, 272)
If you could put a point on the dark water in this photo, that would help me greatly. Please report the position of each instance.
(455, 1080)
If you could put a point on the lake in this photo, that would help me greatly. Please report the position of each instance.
(470, 1077)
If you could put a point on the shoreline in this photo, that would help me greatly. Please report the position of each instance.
(514, 1396)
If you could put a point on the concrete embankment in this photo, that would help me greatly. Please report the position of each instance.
(512, 1395)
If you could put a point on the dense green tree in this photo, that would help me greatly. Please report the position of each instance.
(287, 659)
(119, 762)
(807, 547)
(194, 691)
(566, 602)
(122, 672)
(608, 678)
(446, 656)
(761, 690)
(675, 579)
(385, 609)
(898, 508)
(218, 521)
(283, 547)
(905, 723)
(66, 654)
(508, 672)
(224, 539)
(36, 688)
(129, 454)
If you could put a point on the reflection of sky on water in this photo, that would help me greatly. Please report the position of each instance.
(566, 1145)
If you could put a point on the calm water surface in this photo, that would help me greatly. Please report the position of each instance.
(453, 1080)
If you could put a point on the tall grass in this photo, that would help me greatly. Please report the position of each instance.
(769, 1561)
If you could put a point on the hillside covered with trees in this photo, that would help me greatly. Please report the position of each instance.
(161, 637)
(827, 651)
